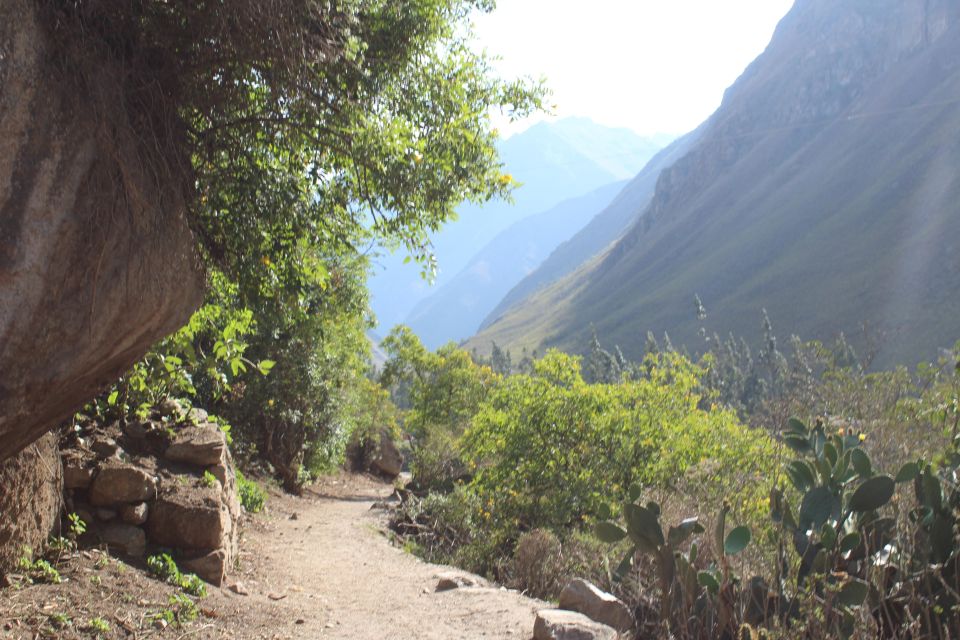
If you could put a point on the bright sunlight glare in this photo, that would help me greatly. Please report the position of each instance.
(654, 66)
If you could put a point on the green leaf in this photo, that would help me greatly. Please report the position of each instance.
(872, 494)
(636, 490)
(265, 366)
(908, 472)
(789, 521)
(932, 492)
(737, 541)
(112, 398)
(830, 454)
(777, 504)
(721, 525)
(624, 567)
(678, 534)
(609, 532)
(643, 527)
(861, 463)
(801, 475)
(797, 426)
(603, 513)
(828, 536)
(709, 582)
(853, 593)
(850, 542)
(816, 508)
(941, 538)
(797, 443)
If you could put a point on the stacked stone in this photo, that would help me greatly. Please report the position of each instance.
(163, 483)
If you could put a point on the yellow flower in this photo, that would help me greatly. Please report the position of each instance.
(266, 261)
(840, 431)
(863, 437)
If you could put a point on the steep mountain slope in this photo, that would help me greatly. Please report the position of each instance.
(825, 189)
(454, 311)
(554, 162)
(604, 228)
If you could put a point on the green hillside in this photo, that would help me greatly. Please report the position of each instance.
(825, 189)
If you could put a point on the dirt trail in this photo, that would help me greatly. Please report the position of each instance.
(321, 567)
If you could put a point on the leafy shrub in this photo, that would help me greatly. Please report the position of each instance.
(435, 462)
(252, 496)
(98, 625)
(860, 543)
(447, 528)
(182, 610)
(164, 568)
(551, 451)
(38, 570)
(443, 392)
(297, 419)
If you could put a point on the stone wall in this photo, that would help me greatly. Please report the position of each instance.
(30, 499)
(165, 483)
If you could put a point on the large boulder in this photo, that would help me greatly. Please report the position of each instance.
(583, 597)
(31, 493)
(388, 461)
(557, 624)
(97, 261)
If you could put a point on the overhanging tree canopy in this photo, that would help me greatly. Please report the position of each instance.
(298, 123)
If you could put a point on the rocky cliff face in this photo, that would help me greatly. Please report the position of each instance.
(96, 257)
(823, 57)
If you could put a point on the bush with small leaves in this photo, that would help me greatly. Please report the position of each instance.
(164, 568)
(252, 496)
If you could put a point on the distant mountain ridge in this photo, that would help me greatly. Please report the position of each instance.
(554, 161)
(824, 189)
(454, 311)
(604, 228)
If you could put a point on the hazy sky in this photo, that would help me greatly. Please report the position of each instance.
(654, 66)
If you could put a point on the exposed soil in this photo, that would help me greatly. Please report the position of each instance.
(320, 566)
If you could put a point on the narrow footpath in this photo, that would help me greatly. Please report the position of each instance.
(321, 566)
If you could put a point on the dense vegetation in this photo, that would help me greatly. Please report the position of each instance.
(301, 133)
(839, 524)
